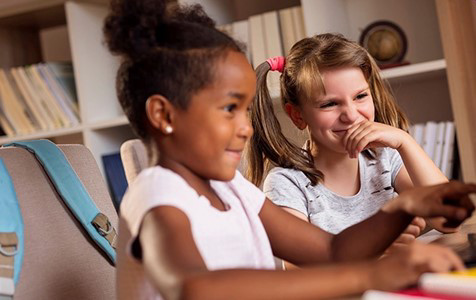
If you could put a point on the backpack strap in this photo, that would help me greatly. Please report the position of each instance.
(11, 235)
(73, 193)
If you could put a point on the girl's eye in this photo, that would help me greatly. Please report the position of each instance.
(230, 107)
(361, 96)
(328, 104)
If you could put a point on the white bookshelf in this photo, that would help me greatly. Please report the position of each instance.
(72, 31)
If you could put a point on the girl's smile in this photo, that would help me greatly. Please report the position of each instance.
(345, 103)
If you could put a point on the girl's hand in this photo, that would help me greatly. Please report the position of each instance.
(408, 236)
(404, 266)
(449, 200)
(439, 224)
(372, 135)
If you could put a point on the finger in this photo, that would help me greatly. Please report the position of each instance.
(354, 132)
(420, 222)
(366, 138)
(405, 238)
(357, 136)
(456, 189)
(454, 215)
(463, 201)
(395, 247)
(361, 139)
(456, 262)
(412, 230)
(349, 132)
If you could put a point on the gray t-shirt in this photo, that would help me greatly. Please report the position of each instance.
(327, 210)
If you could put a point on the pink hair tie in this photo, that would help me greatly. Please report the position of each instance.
(276, 63)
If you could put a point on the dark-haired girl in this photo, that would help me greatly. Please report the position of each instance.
(191, 226)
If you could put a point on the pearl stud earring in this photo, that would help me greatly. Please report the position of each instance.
(168, 129)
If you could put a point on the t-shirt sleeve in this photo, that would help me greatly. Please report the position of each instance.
(283, 188)
(395, 161)
(253, 196)
(151, 189)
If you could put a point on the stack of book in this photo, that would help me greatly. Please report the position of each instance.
(438, 141)
(268, 35)
(38, 97)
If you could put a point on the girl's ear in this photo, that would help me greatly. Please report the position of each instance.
(160, 113)
(294, 113)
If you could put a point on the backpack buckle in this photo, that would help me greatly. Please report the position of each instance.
(105, 228)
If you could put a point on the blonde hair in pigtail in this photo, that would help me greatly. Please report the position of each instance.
(268, 146)
(386, 109)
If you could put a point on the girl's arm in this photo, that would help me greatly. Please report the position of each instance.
(300, 242)
(418, 169)
(174, 265)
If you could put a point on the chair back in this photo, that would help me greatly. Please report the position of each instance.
(134, 158)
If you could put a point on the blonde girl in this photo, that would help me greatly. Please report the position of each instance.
(359, 154)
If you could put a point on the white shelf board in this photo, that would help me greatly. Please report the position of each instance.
(41, 135)
(119, 121)
(420, 69)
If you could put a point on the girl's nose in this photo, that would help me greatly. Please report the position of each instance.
(349, 114)
(245, 129)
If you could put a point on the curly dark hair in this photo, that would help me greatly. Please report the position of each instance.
(165, 50)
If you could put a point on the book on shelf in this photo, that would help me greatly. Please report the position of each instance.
(37, 97)
(288, 35)
(43, 93)
(115, 176)
(447, 156)
(18, 96)
(54, 93)
(298, 20)
(14, 109)
(49, 115)
(417, 133)
(64, 73)
(274, 46)
(257, 42)
(438, 141)
(429, 138)
(7, 127)
(240, 32)
(34, 106)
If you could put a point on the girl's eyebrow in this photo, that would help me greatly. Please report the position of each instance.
(361, 90)
(237, 95)
(332, 98)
